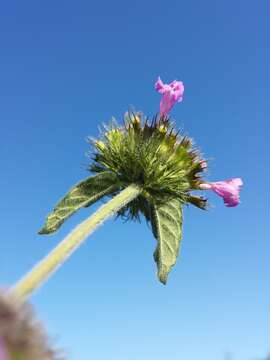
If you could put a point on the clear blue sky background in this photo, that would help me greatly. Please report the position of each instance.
(67, 66)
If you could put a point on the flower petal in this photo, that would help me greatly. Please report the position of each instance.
(229, 190)
(172, 93)
(159, 86)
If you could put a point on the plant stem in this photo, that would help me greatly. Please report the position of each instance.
(40, 273)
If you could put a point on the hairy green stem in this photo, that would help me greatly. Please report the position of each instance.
(61, 252)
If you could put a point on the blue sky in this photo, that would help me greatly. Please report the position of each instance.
(66, 67)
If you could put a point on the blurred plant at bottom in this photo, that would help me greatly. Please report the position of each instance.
(22, 336)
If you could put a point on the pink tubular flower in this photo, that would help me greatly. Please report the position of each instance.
(228, 189)
(171, 93)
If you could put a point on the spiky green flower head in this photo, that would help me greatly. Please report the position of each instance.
(165, 165)
(153, 155)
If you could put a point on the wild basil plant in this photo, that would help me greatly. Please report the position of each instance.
(148, 169)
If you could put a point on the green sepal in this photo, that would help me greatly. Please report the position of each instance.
(166, 221)
(84, 194)
(197, 201)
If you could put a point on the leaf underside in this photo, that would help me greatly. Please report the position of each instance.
(84, 194)
(166, 221)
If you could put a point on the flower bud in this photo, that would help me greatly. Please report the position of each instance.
(203, 164)
(100, 145)
(163, 129)
(135, 119)
(186, 142)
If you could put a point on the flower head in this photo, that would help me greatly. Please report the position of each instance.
(152, 154)
(229, 190)
(171, 93)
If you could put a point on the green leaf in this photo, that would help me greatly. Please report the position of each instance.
(81, 195)
(166, 220)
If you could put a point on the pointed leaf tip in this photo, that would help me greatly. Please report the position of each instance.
(43, 231)
(46, 230)
(163, 275)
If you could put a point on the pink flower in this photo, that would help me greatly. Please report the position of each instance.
(228, 189)
(171, 93)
